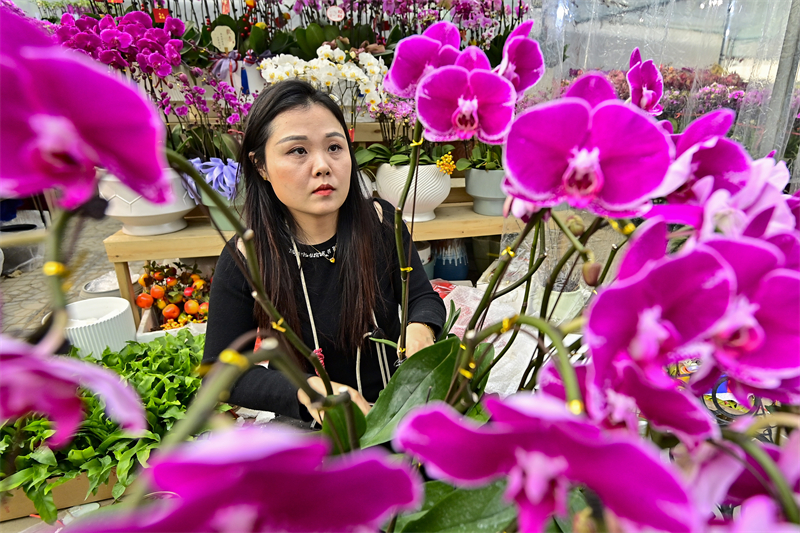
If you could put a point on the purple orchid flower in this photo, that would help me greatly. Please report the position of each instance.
(523, 62)
(113, 58)
(592, 87)
(568, 151)
(646, 317)
(264, 480)
(419, 55)
(456, 103)
(702, 150)
(36, 383)
(137, 17)
(174, 27)
(115, 39)
(757, 342)
(51, 135)
(646, 83)
(543, 449)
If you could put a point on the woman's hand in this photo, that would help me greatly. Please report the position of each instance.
(317, 384)
(418, 336)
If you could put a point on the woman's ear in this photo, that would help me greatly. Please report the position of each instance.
(261, 170)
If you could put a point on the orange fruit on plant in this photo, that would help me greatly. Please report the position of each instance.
(158, 276)
(171, 311)
(144, 300)
(191, 307)
(157, 292)
(161, 304)
(195, 277)
(172, 281)
(144, 280)
(204, 308)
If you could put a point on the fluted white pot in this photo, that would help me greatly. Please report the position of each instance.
(432, 187)
(484, 187)
(138, 215)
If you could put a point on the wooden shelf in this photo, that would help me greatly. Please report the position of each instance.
(454, 221)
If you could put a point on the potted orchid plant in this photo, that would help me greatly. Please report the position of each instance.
(599, 436)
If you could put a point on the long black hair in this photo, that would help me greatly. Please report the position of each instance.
(274, 225)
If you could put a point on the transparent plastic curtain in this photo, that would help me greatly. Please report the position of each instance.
(724, 51)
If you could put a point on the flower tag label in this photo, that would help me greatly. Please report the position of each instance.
(160, 14)
(226, 7)
(335, 13)
(223, 38)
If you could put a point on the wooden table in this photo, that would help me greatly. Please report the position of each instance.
(199, 239)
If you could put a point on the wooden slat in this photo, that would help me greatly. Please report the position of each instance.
(455, 221)
(198, 240)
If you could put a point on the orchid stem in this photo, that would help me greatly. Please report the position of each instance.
(571, 236)
(180, 164)
(782, 491)
(398, 235)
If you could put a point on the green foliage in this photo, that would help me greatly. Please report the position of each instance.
(334, 425)
(422, 378)
(161, 371)
(460, 510)
(483, 157)
(400, 154)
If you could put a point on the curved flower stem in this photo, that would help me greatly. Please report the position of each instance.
(773, 419)
(574, 399)
(782, 491)
(578, 245)
(612, 254)
(532, 268)
(398, 236)
(181, 165)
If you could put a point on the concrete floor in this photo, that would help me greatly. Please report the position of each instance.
(25, 298)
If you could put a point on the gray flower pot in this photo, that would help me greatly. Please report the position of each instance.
(218, 216)
(484, 187)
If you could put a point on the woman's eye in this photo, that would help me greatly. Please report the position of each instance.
(336, 148)
(299, 150)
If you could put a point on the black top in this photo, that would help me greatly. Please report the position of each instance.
(231, 314)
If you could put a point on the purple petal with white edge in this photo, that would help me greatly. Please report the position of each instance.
(666, 125)
(634, 155)
(539, 145)
(646, 86)
(437, 102)
(593, 87)
(537, 488)
(670, 409)
(636, 57)
(353, 493)
(649, 243)
(473, 58)
(649, 315)
(523, 64)
(411, 60)
(727, 161)
(713, 124)
(789, 245)
(496, 98)
(445, 33)
(750, 259)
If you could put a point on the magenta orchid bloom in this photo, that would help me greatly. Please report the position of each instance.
(757, 342)
(646, 317)
(419, 55)
(456, 103)
(608, 159)
(701, 151)
(646, 84)
(543, 449)
(523, 62)
(760, 513)
(592, 87)
(748, 483)
(46, 385)
(52, 133)
(267, 480)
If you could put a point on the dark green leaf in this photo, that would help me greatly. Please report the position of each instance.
(434, 492)
(43, 501)
(576, 503)
(314, 37)
(335, 422)
(44, 455)
(331, 32)
(476, 152)
(16, 479)
(462, 164)
(465, 511)
(258, 40)
(426, 376)
(452, 317)
(364, 156)
(302, 41)
(399, 160)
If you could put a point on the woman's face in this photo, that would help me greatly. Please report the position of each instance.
(308, 163)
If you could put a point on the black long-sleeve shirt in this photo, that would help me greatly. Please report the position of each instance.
(231, 314)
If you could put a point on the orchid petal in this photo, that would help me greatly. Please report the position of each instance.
(592, 87)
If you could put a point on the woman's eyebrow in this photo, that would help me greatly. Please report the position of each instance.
(292, 138)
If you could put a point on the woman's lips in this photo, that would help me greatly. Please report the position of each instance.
(324, 190)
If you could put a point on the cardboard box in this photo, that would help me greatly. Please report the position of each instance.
(70, 494)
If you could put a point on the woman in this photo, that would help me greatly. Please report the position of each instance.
(327, 257)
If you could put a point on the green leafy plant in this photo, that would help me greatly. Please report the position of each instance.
(164, 374)
(400, 154)
(482, 157)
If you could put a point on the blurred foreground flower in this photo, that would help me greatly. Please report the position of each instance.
(258, 479)
(41, 384)
(55, 132)
(543, 448)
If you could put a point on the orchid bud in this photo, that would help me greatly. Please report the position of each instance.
(575, 224)
(591, 273)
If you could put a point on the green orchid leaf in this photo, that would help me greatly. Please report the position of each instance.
(398, 160)
(434, 492)
(423, 377)
(334, 425)
(462, 510)
(314, 37)
(463, 164)
(258, 40)
(331, 32)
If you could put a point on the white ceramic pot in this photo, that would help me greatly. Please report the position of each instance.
(432, 187)
(484, 187)
(141, 217)
(98, 323)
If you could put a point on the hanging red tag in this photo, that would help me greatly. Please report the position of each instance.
(226, 7)
(160, 14)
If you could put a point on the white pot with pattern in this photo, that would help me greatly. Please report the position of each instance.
(430, 188)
